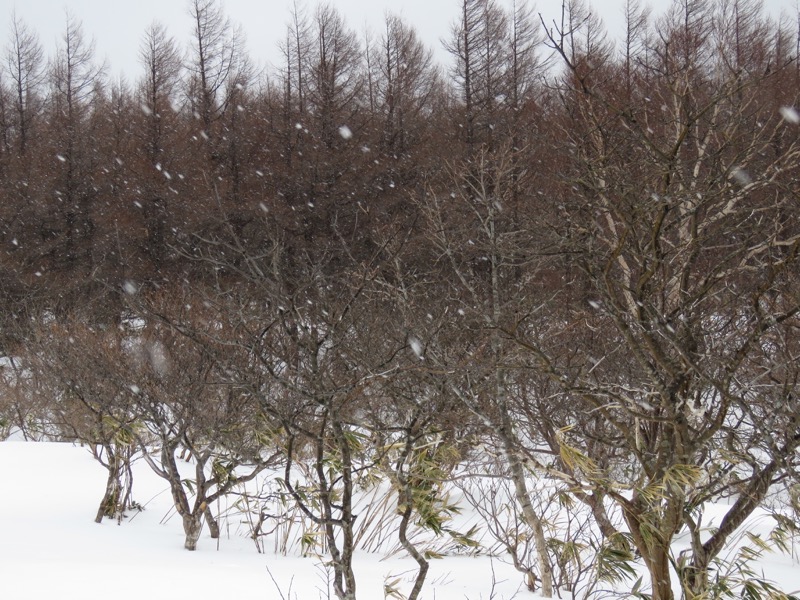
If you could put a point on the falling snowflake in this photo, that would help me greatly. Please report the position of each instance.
(416, 347)
(741, 176)
(790, 115)
(158, 358)
(345, 132)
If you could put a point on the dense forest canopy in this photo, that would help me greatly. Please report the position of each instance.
(554, 258)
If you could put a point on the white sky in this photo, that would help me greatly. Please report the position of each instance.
(117, 26)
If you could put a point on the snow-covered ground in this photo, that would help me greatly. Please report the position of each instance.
(51, 548)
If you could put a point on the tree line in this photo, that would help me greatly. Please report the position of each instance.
(560, 268)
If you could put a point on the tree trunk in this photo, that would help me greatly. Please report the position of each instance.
(522, 495)
(213, 525)
(406, 500)
(344, 579)
(192, 526)
(110, 504)
(658, 567)
(694, 578)
(655, 554)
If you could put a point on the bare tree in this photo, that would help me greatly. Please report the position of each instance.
(685, 288)
(306, 351)
(159, 55)
(190, 407)
(405, 81)
(489, 256)
(297, 49)
(479, 43)
(80, 398)
(335, 81)
(74, 80)
(524, 65)
(25, 66)
(636, 19)
(158, 92)
(214, 60)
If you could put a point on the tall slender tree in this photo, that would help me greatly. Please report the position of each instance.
(75, 80)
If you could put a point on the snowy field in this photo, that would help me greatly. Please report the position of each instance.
(51, 548)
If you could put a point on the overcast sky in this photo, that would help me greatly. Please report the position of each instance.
(117, 26)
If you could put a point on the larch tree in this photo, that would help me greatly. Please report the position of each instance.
(157, 136)
(405, 81)
(74, 81)
(479, 44)
(25, 68)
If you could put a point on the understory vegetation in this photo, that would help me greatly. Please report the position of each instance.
(554, 283)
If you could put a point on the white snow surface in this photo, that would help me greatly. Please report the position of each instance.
(51, 547)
